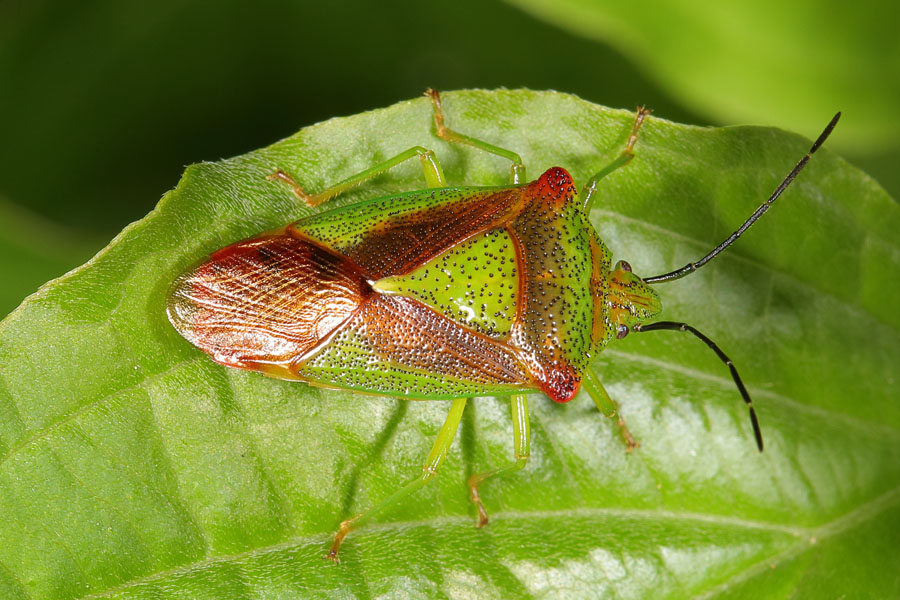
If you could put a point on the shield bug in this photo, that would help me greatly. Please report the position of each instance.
(443, 293)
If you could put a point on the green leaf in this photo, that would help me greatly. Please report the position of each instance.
(759, 61)
(134, 467)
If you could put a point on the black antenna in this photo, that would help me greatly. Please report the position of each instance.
(691, 267)
(674, 326)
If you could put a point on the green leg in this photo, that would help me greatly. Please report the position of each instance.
(608, 406)
(624, 158)
(517, 170)
(521, 441)
(434, 176)
(434, 460)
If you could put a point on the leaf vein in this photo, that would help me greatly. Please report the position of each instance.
(298, 541)
(735, 255)
(811, 537)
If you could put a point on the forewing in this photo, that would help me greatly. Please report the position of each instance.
(264, 302)
(397, 345)
(394, 235)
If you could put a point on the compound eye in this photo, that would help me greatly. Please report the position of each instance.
(622, 331)
(623, 266)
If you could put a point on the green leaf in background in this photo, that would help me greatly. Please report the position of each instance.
(34, 250)
(131, 466)
(759, 60)
(90, 141)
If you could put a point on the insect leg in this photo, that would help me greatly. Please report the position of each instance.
(429, 471)
(675, 326)
(608, 406)
(517, 170)
(434, 176)
(521, 442)
(623, 159)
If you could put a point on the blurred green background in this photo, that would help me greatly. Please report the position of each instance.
(103, 103)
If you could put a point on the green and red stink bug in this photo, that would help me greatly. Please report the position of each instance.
(444, 293)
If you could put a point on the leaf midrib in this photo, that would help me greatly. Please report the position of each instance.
(804, 536)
